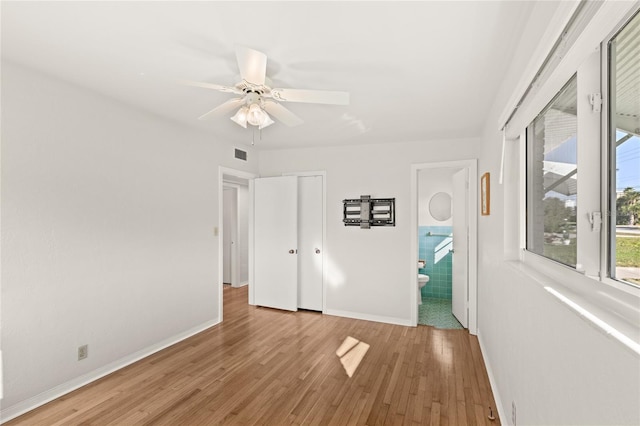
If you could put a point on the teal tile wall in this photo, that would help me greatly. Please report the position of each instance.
(435, 250)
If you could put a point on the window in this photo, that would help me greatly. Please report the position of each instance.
(552, 179)
(624, 153)
(580, 158)
(573, 133)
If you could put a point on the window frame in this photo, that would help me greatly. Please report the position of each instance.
(611, 306)
(589, 146)
(528, 131)
(598, 261)
(608, 260)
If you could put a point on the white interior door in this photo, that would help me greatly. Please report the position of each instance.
(460, 262)
(242, 237)
(275, 242)
(229, 209)
(310, 249)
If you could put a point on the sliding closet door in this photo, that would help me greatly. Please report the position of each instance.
(310, 250)
(275, 242)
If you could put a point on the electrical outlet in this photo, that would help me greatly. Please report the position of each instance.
(513, 413)
(83, 352)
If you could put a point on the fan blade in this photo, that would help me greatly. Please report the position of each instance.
(226, 107)
(311, 96)
(282, 114)
(252, 64)
(226, 89)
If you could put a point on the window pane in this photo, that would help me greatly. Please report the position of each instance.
(624, 238)
(552, 179)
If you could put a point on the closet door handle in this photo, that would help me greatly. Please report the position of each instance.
(317, 251)
(292, 251)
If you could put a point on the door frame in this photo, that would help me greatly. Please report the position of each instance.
(218, 231)
(472, 222)
(324, 227)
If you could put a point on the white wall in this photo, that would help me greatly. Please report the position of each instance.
(368, 268)
(557, 367)
(107, 234)
(430, 182)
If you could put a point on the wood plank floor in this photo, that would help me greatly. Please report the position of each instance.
(263, 366)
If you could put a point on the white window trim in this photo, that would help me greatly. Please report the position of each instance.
(618, 310)
(611, 306)
(606, 159)
(610, 15)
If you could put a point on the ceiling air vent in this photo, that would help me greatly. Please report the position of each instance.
(241, 155)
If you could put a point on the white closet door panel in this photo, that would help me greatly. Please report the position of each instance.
(275, 242)
(310, 249)
(460, 262)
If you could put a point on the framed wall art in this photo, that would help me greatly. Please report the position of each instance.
(485, 194)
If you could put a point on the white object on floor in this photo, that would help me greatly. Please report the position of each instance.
(422, 281)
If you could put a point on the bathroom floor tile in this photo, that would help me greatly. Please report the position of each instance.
(437, 313)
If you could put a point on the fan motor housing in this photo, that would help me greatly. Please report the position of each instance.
(252, 98)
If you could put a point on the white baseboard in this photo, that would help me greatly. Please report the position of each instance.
(368, 317)
(27, 405)
(493, 384)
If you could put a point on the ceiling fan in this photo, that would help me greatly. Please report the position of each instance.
(257, 100)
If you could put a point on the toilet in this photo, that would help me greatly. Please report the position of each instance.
(422, 280)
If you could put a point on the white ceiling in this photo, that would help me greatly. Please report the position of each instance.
(415, 70)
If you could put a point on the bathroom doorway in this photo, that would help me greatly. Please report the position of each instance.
(444, 244)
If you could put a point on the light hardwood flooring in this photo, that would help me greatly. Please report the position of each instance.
(264, 366)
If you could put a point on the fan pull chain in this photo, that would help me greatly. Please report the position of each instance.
(504, 142)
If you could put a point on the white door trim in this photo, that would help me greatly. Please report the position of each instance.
(472, 167)
(218, 232)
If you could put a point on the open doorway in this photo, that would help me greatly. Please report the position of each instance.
(235, 234)
(233, 230)
(442, 214)
(444, 245)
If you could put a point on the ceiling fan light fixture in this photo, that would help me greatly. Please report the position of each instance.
(257, 97)
(266, 122)
(240, 117)
(256, 115)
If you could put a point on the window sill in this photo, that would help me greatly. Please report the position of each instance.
(613, 311)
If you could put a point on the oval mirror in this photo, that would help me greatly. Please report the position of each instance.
(440, 206)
